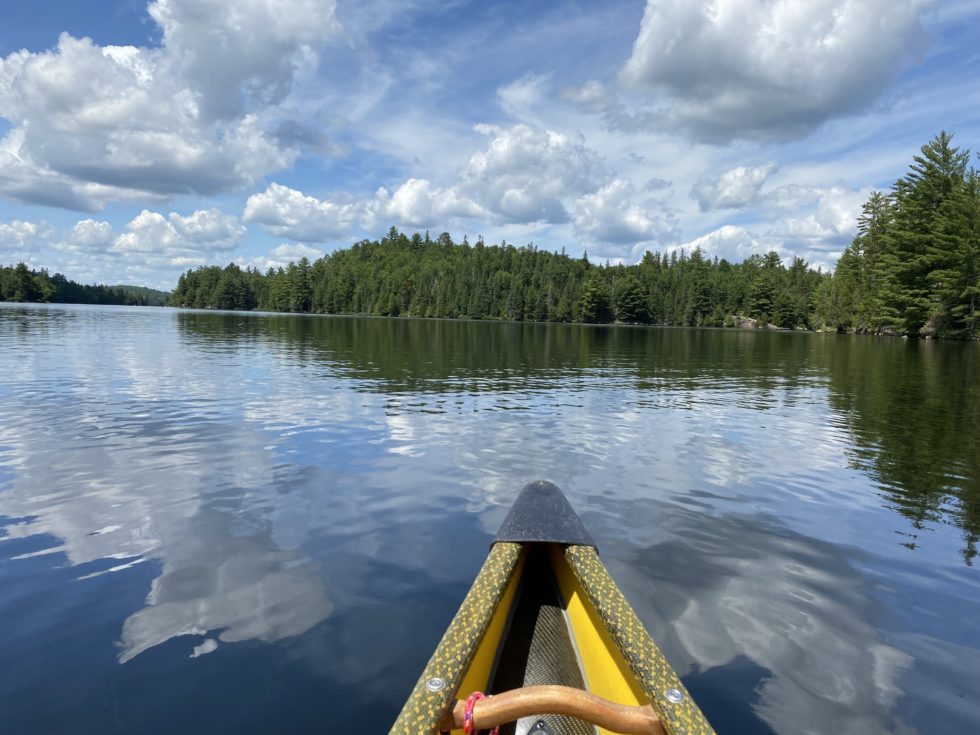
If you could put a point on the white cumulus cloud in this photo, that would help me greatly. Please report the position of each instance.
(416, 203)
(88, 236)
(208, 226)
(733, 189)
(828, 227)
(524, 174)
(610, 215)
(531, 176)
(90, 233)
(91, 123)
(176, 236)
(730, 242)
(290, 213)
(770, 68)
(24, 241)
(243, 53)
(17, 233)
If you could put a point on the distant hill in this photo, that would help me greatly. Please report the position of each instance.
(144, 295)
(20, 283)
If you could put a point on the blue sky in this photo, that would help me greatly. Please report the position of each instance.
(139, 139)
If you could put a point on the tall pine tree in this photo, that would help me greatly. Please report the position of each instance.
(935, 176)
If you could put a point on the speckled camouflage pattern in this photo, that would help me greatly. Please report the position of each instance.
(644, 657)
(424, 708)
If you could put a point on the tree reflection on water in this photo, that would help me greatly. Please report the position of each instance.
(912, 408)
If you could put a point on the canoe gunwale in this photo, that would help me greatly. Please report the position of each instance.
(647, 662)
(425, 707)
(542, 516)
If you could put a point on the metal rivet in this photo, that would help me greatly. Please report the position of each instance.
(435, 684)
(674, 695)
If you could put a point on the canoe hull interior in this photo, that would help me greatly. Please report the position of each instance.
(546, 632)
(544, 614)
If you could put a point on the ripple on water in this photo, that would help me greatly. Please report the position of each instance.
(256, 515)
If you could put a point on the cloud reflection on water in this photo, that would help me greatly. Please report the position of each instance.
(242, 586)
(134, 493)
(718, 590)
(273, 473)
(115, 465)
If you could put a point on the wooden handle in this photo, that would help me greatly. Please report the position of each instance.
(556, 700)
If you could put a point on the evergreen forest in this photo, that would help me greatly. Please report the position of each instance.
(403, 275)
(20, 283)
(912, 269)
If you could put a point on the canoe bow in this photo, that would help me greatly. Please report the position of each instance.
(542, 515)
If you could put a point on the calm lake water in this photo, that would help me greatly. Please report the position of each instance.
(215, 522)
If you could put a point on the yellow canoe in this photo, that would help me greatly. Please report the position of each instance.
(546, 634)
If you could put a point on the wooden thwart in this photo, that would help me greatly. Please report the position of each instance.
(556, 700)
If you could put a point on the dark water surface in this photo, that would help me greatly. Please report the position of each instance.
(248, 523)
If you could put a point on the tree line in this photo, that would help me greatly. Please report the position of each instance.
(20, 283)
(402, 275)
(914, 267)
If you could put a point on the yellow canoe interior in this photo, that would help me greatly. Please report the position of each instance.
(546, 631)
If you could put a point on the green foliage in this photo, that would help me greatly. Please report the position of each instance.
(632, 306)
(765, 289)
(955, 256)
(20, 283)
(403, 275)
(25, 287)
(593, 305)
(914, 267)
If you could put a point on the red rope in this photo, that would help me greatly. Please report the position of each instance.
(469, 727)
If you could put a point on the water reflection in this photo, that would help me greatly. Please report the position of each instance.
(746, 589)
(113, 474)
(422, 356)
(814, 626)
(242, 586)
(265, 522)
(912, 410)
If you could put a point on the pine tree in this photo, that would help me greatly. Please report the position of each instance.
(298, 288)
(871, 274)
(955, 253)
(593, 305)
(24, 286)
(762, 295)
(631, 302)
(936, 175)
